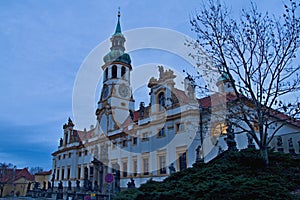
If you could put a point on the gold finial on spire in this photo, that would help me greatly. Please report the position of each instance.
(119, 14)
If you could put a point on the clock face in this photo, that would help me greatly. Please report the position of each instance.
(123, 90)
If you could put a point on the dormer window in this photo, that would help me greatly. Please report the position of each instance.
(114, 71)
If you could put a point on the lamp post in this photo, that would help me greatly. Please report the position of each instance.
(199, 150)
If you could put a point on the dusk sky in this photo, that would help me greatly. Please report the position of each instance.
(43, 44)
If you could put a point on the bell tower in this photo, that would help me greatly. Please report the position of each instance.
(116, 101)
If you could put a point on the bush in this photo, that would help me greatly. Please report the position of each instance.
(232, 175)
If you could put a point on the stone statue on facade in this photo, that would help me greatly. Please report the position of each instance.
(142, 110)
(279, 141)
(77, 185)
(96, 186)
(250, 141)
(231, 143)
(172, 169)
(49, 185)
(131, 183)
(69, 185)
(291, 146)
(60, 142)
(60, 186)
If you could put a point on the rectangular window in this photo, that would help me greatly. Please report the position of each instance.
(134, 166)
(59, 157)
(124, 168)
(91, 171)
(85, 152)
(79, 172)
(146, 166)
(179, 127)
(70, 154)
(79, 153)
(255, 126)
(134, 140)
(57, 174)
(62, 173)
(85, 172)
(162, 164)
(145, 137)
(161, 132)
(68, 173)
(182, 161)
(124, 143)
(114, 145)
(64, 156)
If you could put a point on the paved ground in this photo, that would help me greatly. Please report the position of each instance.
(23, 198)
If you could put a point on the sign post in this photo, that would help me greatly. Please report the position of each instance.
(109, 178)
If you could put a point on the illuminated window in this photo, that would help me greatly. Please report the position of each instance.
(255, 126)
(219, 129)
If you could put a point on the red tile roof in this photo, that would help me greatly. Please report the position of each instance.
(9, 175)
(206, 102)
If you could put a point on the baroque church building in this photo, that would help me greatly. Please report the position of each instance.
(150, 142)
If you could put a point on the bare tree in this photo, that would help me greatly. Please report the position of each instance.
(257, 55)
(6, 165)
(34, 170)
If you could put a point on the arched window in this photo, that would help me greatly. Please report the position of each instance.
(123, 72)
(161, 101)
(114, 71)
(219, 129)
(106, 74)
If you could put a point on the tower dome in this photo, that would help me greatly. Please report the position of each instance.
(117, 50)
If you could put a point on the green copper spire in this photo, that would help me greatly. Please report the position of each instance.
(118, 28)
(117, 50)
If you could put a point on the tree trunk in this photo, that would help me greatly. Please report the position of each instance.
(265, 156)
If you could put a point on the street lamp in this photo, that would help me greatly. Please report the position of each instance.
(200, 159)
